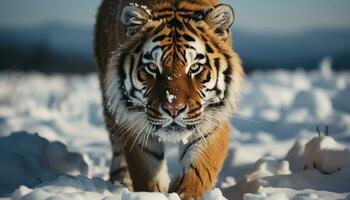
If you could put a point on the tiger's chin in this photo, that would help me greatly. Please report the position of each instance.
(173, 134)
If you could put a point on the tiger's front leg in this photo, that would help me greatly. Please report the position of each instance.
(202, 160)
(147, 166)
(119, 170)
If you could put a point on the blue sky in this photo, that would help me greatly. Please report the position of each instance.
(251, 15)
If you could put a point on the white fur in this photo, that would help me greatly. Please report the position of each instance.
(156, 55)
(135, 122)
(191, 54)
(173, 137)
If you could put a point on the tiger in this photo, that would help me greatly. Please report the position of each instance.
(169, 76)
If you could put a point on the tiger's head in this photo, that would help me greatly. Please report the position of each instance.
(176, 75)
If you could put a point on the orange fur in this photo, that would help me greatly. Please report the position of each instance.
(202, 174)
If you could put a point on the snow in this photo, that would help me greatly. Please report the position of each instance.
(29, 159)
(184, 140)
(275, 150)
(144, 7)
(170, 97)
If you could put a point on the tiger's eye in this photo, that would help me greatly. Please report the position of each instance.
(151, 68)
(196, 68)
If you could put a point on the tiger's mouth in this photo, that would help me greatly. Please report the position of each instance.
(174, 127)
(174, 132)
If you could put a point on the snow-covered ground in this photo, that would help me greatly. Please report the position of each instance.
(275, 153)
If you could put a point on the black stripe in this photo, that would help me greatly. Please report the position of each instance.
(197, 173)
(118, 171)
(153, 153)
(121, 71)
(190, 127)
(201, 29)
(202, 94)
(188, 38)
(139, 76)
(189, 47)
(199, 56)
(159, 38)
(182, 190)
(133, 89)
(147, 92)
(204, 38)
(207, 62)
(175, 23)
(199, 106)
(147, 56)
(195, 116)
(194, 110)
(208, 48)
(131, 67)
(207, 79)
(217, 65)
(216, 105)
(180, 10)
(176, 36)
(139, 47)
(132, 62)
(227, 74)
(153, 110)
(165, 50)
(190, 28)
(166, 10)
(209, 175)
(162, 16)
(158, 29)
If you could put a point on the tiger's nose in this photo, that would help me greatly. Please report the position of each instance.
(174, 110)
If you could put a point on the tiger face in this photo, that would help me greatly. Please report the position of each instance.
(176, 76)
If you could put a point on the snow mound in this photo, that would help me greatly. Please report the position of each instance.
(322, 153)
(214, 194)
(320, 164)
(29, 159)
(81, 187)
(270, 193)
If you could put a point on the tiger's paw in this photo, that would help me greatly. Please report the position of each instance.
(127, 182)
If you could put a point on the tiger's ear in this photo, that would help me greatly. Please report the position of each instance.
(221, 19)
(133, 17)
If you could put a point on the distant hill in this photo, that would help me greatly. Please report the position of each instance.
(49, 48)
(58, 47)
(264, 51)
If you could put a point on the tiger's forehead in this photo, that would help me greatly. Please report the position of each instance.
(172, 47)
(181, 8)
(175, 43)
